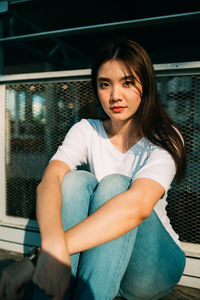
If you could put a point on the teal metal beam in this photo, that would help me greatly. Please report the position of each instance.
(107, 26)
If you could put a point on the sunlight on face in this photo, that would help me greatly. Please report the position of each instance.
(119, 91)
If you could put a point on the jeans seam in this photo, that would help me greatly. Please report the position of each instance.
(119, 263)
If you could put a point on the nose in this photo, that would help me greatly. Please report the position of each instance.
(116, 94)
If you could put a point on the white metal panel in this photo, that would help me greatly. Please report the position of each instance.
(192, 267)
(19, 248)
(2, 152)
(18, 222)
(19, 236)
(171, 67)
(190, 249)
(45, 75)
(190, 281)
(175, 66)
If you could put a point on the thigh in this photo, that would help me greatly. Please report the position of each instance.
(156, 263)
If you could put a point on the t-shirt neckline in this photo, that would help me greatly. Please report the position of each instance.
(113, 147)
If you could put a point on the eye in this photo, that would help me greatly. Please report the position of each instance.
(103, 85)
(128, 83)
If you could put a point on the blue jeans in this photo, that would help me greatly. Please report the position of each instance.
(145, 263)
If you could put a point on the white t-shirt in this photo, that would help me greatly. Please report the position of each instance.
(87, 143)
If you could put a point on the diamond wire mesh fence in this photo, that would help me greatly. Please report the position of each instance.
(39, 114)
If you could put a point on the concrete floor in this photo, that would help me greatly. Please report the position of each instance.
(179, 292)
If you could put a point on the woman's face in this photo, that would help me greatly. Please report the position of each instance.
(118, 91)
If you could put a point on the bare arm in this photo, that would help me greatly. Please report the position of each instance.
(116, 217)
(53, 269)
(129, 209)
(49, 203)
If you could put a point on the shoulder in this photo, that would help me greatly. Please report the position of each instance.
(88, 123)
(158, 165)
(94, 123)
(82, 125)
(154, 154)
(85, 128)
(155, 151)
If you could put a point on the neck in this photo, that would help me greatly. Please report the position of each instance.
(120, 128)
(121, 134)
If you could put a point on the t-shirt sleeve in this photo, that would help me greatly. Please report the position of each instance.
(73, 150)
(160, 167)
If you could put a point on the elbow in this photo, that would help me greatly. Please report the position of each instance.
(142, 215)
(146, 212)
(139, 214)
(38, 188)
(141, 208)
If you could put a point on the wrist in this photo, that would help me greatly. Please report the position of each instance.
(57, 248)
(54, 243)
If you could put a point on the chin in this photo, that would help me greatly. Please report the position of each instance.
(119, 118)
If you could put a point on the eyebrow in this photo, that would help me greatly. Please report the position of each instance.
(123, 78)
(103, 79)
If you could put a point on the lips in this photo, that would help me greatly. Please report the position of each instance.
(117, 108)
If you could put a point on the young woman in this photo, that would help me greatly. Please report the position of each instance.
(109, 225)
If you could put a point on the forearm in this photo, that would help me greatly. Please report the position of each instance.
(115, 218)
(49, 203)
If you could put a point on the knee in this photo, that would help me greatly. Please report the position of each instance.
(77, 181)
(140, 289)
(146, 286)
(109, 187)
(115, 182)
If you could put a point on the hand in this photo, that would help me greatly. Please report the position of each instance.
(52, 275)
(13, 278)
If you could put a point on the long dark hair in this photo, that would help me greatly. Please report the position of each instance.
(151, 120)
